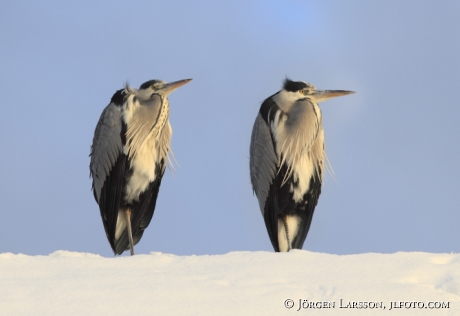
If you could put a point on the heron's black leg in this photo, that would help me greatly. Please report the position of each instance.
(130, 231)
(286, 229)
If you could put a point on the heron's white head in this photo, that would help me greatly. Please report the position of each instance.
(147, 89)
(296, 90)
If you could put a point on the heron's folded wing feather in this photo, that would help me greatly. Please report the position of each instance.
(107, 146)
(263, 160)
(109, 166)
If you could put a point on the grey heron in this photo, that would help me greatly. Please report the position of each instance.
(128, 159)
(287, 160)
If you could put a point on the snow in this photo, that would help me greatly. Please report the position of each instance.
(236, 283)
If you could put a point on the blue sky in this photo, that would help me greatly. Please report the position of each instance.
(394, 145)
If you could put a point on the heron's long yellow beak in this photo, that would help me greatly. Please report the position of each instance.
(170, 87)
(323, 95)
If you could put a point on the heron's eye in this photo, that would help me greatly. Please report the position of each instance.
(303, 91)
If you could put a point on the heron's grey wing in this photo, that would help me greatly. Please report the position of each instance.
(263, 169)
(263, 160)
(108, 167)
(107, 146)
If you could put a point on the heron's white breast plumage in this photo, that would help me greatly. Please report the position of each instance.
(299, 139)
(145, 152)
(143, 167)
(301, 172)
